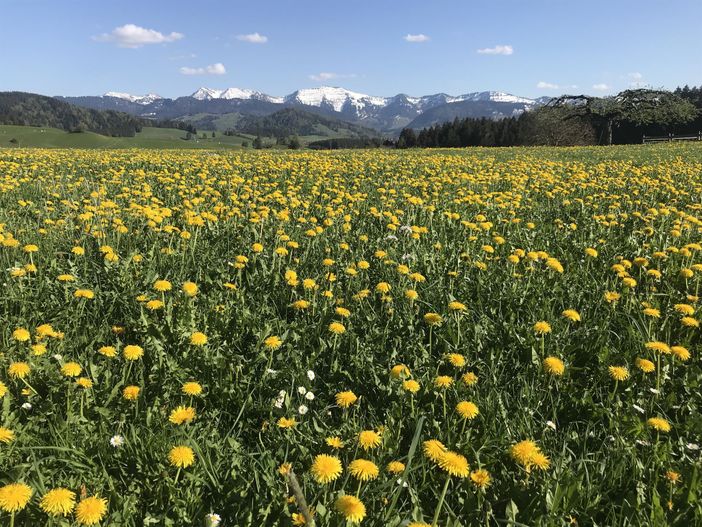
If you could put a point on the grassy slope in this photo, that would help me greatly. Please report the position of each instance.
(30, 136)
(37, 137)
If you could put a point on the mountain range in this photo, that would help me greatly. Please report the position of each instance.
(214, 109)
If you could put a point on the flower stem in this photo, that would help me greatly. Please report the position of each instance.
(435, 521)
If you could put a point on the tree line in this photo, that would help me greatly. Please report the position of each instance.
(574, 120)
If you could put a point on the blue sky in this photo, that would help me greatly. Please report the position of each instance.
(380, 47)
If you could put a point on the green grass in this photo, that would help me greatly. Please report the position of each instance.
(166, 138)
(30, 136)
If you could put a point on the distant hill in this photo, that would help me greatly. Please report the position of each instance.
(293, 121)
(387, 115)
(464, 109)
(29, 109)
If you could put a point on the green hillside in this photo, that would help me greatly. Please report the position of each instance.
(30, 136)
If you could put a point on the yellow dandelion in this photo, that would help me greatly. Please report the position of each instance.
(18, 370)
(467, 410)
(457, 360)
(71, 369)
(645, 365)
(433, 319)
(133, 352)
(198, 339)
(469, 378)
(6, 435)
(337, 328)
(368, 439)
(395, 467)
(21, 335)
(286, 422)
(480, 478)
(363, 469)
(14, 497)
(411, 386)
(399, 371)
(572, 315)
(554, 366)
(325, 468)
(191, 388)
(181, 456)
(455, 464)
(131, 393)
(334, 442)
(659, 424)
(542, 328)
(443, 381)
(680, 352)
(190, 289)
(618, 373)
(345, 399)
(433, 449)
(182, 414)
(162, 286)
(58, 502)
(658, 346)
(273, 342)
(351, 508)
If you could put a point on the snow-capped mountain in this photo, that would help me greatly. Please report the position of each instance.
(385, 114)
(337, 98)
(139, 99)
(207, 94)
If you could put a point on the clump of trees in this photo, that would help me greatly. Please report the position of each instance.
(28, 109)
(574, 120)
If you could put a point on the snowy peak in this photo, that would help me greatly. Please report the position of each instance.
(206, 94)
(496, 96)
(139, 99)
(339, 99)
(335, 97)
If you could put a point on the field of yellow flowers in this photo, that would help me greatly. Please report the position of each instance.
(476, 337)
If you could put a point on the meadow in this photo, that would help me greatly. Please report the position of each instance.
(445, 337)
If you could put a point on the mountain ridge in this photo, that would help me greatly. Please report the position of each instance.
(387, 115)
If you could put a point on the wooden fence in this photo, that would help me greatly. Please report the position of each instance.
(671, 138)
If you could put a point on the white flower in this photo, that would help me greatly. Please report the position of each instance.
(27, 406)
(693, 446)
(406, 229)
(117, 441)
(551, 425)
(57, 356)
(310, 375)
(402, 482)
(213, 520)
(278, 402)
(639, 409)
(301, 390)
(309, 396)
(391, 237)
(302, 410)
(653, 390)
(270, 371)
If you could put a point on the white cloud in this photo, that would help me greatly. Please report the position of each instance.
(497, 50)
(327, 76)
(547, 85)
(635, 76)
(133, 36)
(253, 38)
(416, 38)
(600, 87)
(212, 69)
